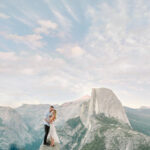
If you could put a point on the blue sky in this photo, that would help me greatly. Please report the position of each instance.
(56, 51)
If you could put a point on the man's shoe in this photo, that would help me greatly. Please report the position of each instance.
(46, 144)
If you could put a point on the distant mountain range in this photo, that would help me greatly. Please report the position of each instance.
(139, 119)
(96, 122)
(13, 129)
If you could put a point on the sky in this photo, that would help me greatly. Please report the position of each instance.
(53, 51)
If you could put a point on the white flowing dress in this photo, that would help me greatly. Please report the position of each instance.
(53, 132)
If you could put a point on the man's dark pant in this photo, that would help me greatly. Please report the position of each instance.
(46, 133)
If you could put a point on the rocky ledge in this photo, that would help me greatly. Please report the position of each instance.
(56, 147)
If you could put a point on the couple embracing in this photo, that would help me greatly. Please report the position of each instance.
(49, 126)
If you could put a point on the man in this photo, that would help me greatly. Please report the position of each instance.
(47, 124)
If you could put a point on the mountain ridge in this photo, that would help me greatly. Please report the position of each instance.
(74, 117)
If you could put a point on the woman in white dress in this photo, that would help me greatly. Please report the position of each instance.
(53, 134)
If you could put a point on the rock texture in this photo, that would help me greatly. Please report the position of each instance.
(56, 147)
(103, 101)
(106, 134)
(95, 122)
(102, 124)
(12, 129)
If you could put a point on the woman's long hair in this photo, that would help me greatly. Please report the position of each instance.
(55, 113)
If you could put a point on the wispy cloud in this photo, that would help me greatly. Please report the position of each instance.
(31, 40)
(70, 11)
(4, 16)
(45, 26)
(109, 47)
(24, 21)
(64, 21)
(71, 51)
(11, 56)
